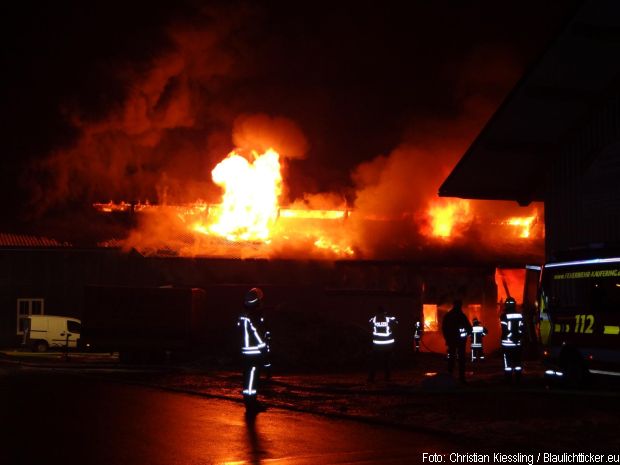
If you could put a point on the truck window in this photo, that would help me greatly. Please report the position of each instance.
(583, 288)
(74, 327)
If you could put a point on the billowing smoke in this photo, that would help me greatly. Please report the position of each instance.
(402, 185)
(260, 132)
(183, 108)
(159, 139)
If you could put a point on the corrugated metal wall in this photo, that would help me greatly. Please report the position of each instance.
(582, 203)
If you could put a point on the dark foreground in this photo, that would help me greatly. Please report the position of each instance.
(63, 419)
(103, 412)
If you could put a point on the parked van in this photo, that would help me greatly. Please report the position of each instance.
(46, 331)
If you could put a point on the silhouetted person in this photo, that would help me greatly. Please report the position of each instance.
(456, 328)
(512, 335)
(382, 327)
(478, 332)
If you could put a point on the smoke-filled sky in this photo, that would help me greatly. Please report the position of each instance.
(138, 101)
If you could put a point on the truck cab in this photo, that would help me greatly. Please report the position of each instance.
(43, 332)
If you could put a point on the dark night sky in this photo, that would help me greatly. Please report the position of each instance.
(357, 78)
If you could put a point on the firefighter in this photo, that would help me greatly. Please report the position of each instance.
(477, 334)
(417, 334)
(456, 328)
(512, 335)
(253, 348)
(382, 327)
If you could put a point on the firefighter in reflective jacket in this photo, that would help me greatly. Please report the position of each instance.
(512, 334)
(477, 334)
(382, 327)
(253, 348)
(417, 335)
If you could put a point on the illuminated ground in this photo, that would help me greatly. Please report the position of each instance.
(421, 398)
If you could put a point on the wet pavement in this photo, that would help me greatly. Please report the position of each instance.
(57, 418)
(420, 397)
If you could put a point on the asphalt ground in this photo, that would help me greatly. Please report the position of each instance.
(420, 396)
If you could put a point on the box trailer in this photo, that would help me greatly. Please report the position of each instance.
(143, 324)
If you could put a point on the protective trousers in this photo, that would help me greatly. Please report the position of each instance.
(512, 362)
(380, 357)
(252, 365)
(477, 353)
(457, 350)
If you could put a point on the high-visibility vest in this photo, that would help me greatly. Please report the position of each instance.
(382, 331)
(512, 329)
(251, 342)
(477, 333)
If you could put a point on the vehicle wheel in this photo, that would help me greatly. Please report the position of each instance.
(575, 371)
(40, 346)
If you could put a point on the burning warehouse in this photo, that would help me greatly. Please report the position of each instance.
(298, 206)
(311, 262)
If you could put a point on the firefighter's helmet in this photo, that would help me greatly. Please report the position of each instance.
(510, 305)
(253, 298)
(476, 322)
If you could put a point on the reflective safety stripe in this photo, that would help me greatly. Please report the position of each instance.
(383, 342)
(583, 262)
(250, 389)
(603, 372)
(381, 328)
(513, 316)
(385, 333)
(518, 368)
(476, 345)
(553, 373)
(611, 329)
(508, 343)
(507, 369)
(250, 331)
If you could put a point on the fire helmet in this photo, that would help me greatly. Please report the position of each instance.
(476, 322)
(253, 298)
(510, 305)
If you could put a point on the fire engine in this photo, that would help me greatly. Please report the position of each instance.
(579, 310)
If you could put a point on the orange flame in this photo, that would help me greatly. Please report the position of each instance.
(447, 218)
(325, 243)
(525, 223)
(250, 201)
(430, 317)
(250, 211)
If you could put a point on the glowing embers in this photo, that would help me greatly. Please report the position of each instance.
(447, 218)
(326, 244)
(250, 200)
